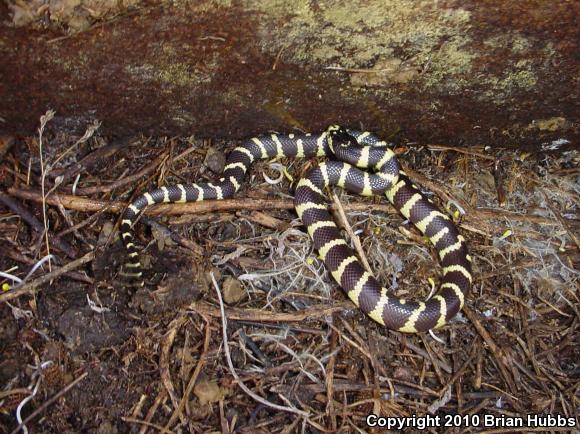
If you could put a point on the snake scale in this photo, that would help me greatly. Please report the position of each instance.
(352, 151)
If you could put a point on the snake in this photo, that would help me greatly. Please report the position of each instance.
(361, 163)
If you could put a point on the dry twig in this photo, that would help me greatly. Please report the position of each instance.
(51, 401)
(257, 398)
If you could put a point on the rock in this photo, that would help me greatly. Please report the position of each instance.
(215, 160)
(208, 391)
(233, 290)
(88, 331)
(176, 291)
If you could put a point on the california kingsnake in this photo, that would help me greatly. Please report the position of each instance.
(353, 148)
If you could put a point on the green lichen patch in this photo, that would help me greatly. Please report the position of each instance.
(520, 77)
(553, 124)
(366, 34)
(169, 68)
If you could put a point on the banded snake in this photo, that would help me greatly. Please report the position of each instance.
(353, 150)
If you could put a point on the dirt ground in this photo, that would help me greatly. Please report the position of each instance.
(83, 352)
(478, 98)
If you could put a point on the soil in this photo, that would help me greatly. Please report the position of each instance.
(111, 358)
(478, 98)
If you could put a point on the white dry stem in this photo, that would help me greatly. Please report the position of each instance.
(34, 385)
(45, 169)
(290, 408)
(278, 168)
(43, 121)
(18, 280)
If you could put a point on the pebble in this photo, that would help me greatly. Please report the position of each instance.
(215, 160)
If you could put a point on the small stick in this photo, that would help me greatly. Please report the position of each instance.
(258, 315)
(145, 423)
(264, 219)
(223, 421)
(151, 167)
(193, 379)
(330, 379)
(88, 220)
(563, 222)
(18, 391)
(231, 365)
(434, 362)
(461, 151)
(360, 70)
(182, 241)
(26, 215)
(278, 56)
(31, 286)
(44, 119)
(18, 257)
(88, 161)
(343, 386)
(352, 343)
(355, 239)
(161, 397)
(91, 205)
(164, 362)
(497, 352)
(49, 403)
(471, 212)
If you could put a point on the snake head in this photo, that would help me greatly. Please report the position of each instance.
(338, 136)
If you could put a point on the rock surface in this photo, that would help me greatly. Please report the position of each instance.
(471, 72)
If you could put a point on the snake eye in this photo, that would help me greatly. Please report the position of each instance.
(343, 138)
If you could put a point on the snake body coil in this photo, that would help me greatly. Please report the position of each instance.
(356, 150)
